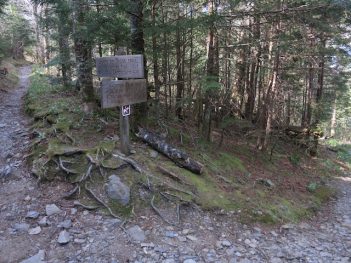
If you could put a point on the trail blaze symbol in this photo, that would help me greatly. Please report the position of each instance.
(126, 110)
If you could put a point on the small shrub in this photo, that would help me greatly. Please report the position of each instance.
(295, 159)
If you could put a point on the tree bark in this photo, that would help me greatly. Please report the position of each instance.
(212, 72)
(180, 80)
(157, 81)
(82, 48)
(63, 37)
(179, 157)
(138, 47)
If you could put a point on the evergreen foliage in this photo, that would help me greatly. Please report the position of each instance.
(276, 64)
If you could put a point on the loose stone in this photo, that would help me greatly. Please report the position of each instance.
(52, 209)
(34, 231)
(136, 233)
(64, 238)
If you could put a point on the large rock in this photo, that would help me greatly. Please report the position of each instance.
(52, 210)
(117, 190)
(38, 258)
(136, 233)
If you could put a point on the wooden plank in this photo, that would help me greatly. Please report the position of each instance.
(122, 92)
(125, 67)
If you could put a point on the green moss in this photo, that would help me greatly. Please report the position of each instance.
(55, 147)
(279, 210)
(224, 163)
(230, 162)
(106, 146)
(324, 193)
(112, 163)
(208, 194)
(121, 210)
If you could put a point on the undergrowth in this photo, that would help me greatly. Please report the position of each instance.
(68, 142)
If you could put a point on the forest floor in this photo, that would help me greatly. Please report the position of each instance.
(30, 229)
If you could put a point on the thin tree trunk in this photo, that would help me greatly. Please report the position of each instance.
(155, 60)
(190, 81)
(138, 47)
(269, 98)
(164, 62)
(212, 68)
(82, 48)
(64, 48)
(333, 118)
(98, 10)
(37, 33)
(180, 80)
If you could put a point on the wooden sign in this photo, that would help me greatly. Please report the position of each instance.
(122, 92)
(125, 67)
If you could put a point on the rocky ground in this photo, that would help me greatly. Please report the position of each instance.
(37, 225)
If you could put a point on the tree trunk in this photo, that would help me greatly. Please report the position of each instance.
(98, 10)
(333, 118)
(37, 34)
(252, 85)
(180, 80)
(157, 81)
(138, 47)
(212, 72)
(190, 76)
(267, 112)
(64, 48)
(82, 48)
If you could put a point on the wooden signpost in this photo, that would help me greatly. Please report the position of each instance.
(121, 92)
(124, 67)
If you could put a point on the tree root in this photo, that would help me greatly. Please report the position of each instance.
(86, 175)
(170, 187)
(138, 168)
(173, 175)
(68, 171)
(77, 203)
(72, 192)
(93, 160)
(70, 138)
(100, 201)
(160, 214)
(164, 194)
(130, 161)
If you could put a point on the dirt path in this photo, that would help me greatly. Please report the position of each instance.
(29, 232)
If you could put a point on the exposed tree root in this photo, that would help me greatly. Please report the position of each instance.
(130, 161)
(77, 203)
(173, 175)
(160, 214)
(68, 171)
(72, 192)
(70, 138)
(100, 201)
(86, 175)
(93, 160)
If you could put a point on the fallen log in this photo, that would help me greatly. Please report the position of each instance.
(179, 157)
